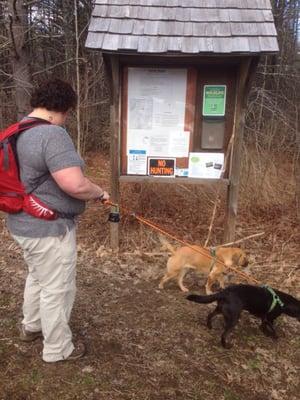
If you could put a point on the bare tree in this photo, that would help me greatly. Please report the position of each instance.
(44, 39)
(273, 117)
(17, 28)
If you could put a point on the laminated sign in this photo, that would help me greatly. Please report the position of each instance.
(206, 165)
(161, 167)
(214, 100)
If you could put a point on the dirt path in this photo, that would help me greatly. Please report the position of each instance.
(144, 343)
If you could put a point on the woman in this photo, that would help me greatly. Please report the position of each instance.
(51, 169)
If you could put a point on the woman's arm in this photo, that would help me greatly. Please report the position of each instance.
(75, 184)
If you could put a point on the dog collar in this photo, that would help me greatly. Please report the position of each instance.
(275, 299)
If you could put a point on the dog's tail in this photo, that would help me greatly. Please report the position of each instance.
(166, 245)
(205, 299)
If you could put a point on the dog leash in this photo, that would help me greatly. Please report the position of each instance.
(205, 253)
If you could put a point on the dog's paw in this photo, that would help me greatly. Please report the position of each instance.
(209, 325)
(268, 331)
(264, 330)
(227, 345)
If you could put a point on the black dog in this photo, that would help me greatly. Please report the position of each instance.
(261, 301)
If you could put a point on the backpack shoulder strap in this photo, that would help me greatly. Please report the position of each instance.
(19, 127)
(32, 122)
(10, 131)
(9, 136)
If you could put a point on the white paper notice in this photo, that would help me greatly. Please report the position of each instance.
(156, 111)
(206, 165)
(159, 144)
(137, 162)
(139, 141)
(169, 144)
(140, 112)
(180, 144)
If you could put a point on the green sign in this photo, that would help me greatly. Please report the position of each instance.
(214, 100)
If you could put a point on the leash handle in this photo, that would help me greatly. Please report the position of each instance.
(102, 200)
(110, 203)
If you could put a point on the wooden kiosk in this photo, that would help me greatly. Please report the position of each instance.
(180, 74)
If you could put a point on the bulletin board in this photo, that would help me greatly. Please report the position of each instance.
(158, 118)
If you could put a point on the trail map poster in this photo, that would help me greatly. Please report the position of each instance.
(156, 112)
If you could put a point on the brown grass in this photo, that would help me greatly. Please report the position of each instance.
(147, 344)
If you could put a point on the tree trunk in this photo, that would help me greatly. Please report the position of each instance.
(297, 167)
(17, 26)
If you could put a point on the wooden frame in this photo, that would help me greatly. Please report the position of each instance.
(187, 181)
(193, 108)
(245, 77)
(113, 67)
(245, 68)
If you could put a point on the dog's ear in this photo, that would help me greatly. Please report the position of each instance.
(243, 260)
(165, 245)
(240, 259)
(236, 258)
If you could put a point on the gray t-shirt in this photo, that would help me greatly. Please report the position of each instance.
(43, 150)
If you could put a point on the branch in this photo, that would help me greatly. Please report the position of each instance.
(54, 66)
(13, 37)
(240, 240)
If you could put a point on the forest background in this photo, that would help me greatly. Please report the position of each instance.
(43, 39)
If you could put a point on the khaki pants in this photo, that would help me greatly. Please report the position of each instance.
(50, 291)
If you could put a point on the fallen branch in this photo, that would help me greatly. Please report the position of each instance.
(141, 253)
(240, 240)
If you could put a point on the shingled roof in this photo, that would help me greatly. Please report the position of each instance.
(183, 26)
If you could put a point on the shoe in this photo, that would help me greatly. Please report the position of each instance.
(28, 336)
(78, 352)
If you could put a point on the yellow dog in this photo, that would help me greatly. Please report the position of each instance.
(185, 258)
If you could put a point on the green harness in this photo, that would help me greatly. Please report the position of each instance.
(275, 298)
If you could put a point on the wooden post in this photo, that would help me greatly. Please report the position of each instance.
(115, 145)
(236, 155)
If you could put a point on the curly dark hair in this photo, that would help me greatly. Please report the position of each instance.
(54, 95)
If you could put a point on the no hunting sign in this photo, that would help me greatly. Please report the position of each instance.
(161, 167)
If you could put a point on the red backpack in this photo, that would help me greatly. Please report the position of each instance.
(13, 196)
